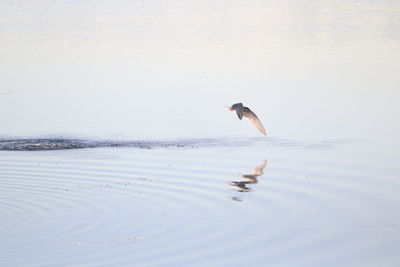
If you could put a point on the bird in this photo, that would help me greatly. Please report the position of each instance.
(243, 111)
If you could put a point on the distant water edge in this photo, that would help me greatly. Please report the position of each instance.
(38, 144)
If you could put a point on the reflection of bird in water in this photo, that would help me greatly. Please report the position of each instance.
(251, 179)
(243, 111)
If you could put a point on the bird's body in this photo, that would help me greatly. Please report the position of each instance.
(243, 111)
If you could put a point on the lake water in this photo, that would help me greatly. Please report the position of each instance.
(116, 148)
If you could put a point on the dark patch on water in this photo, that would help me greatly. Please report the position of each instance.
(38, 144)
(63, 143)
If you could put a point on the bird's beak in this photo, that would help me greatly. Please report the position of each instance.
(228, 108)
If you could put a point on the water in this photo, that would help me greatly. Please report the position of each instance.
(116, 149)
(179, 206)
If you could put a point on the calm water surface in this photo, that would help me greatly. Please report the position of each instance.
(164, 176)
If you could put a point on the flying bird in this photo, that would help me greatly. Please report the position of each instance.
(243, 111)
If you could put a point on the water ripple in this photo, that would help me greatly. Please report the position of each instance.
(163, 207)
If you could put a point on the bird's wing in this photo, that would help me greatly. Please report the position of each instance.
(254, 120)
(239, 109)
